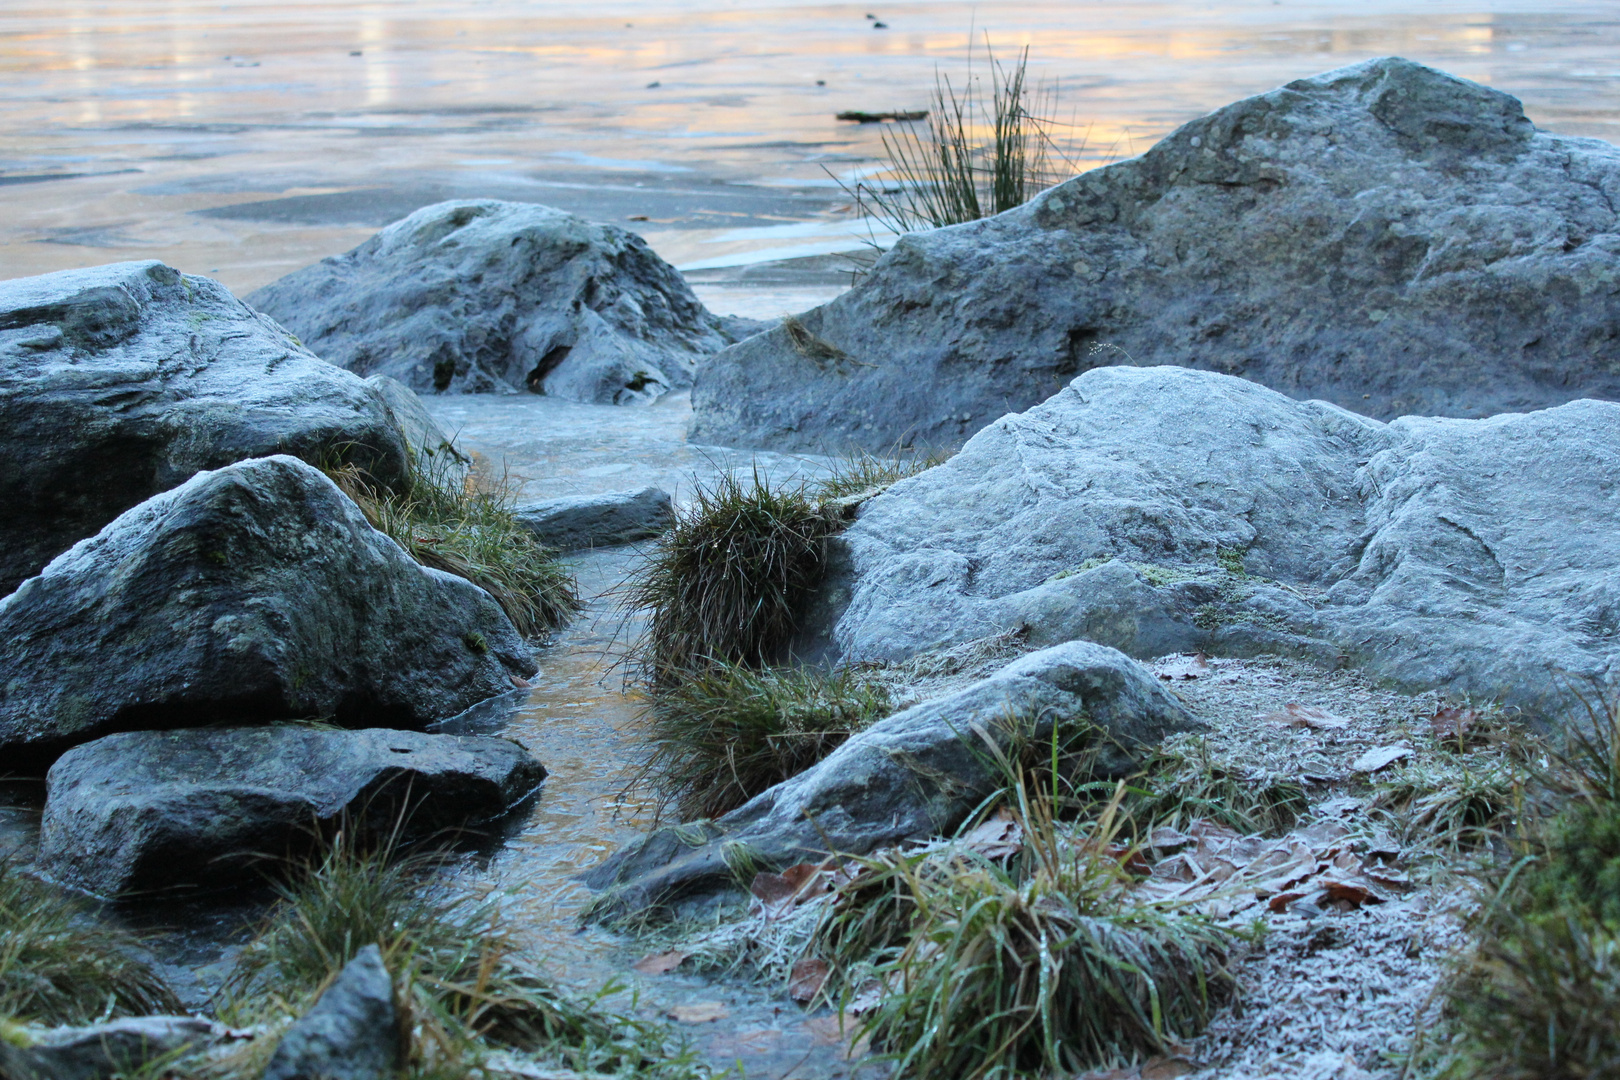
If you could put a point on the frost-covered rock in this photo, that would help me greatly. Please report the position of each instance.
(145, 810)
(252, 593)
(1386, 237)
(1165, 509)
(914, 775)
(482, 295)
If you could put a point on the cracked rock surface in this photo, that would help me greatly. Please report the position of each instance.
(1386, 237)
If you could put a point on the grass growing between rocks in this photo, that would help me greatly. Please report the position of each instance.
(1183, 783)
(723, 590)
(1539, 995)
(58, 965)
(988, 965)
(726, 732)
(458, 968)
(725, 583)
(459, 520)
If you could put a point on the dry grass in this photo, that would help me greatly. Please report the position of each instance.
(1539, 995)
(1040, 963)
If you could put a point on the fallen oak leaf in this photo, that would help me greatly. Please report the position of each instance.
(659, 963)
(809, 975)
(699, 1012)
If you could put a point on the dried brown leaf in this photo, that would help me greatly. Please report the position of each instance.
(659, 963)
(809, 975)
(699, 1012)
(1451, 722)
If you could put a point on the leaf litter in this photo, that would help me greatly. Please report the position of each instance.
(1357, 926)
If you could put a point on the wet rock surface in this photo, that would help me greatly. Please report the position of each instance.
(1385, 236)
(916, 774)
(583, 521)
(120, 381)
(352, 1033)
(145, 810)
(255, 592)
(1163, 509)
(490, 296)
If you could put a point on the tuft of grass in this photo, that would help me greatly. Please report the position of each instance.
(976, 159)
(59, 965)
(1539, 994)
(459, 520)
(725, 582)
(1037, 964)
(457, 963)
(1461, 807)
(864, 472)
(1182, 782)
(725, 732)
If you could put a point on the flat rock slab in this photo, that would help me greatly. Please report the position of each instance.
(254, 592)
(584, 521)
(146, 810)
(479, 295)
(354, 1032)
(118, 382)
(914, 775)
(99, 1051)
(1164, 510)
(1386, 237)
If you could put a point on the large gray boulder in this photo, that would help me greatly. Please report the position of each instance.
(252, 593)
(121, 381)
(1385, 237)
(914, 775)
(354, 1032)
(482, 295)
(583, 521)
(1164, 509)
(146, 810)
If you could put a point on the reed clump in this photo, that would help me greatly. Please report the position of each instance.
(973, 158)
(459, 519)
